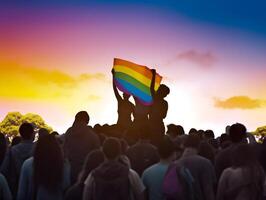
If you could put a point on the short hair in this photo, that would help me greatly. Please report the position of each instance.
(163, 90)
(193, 141)
(176, 130)
(26, 131)
(192, 131)
(42, 132)
(111, 148)
(165, 148)
(180, 130)
(209, 134)
(82, 116)
(224, 138)
(237, 132)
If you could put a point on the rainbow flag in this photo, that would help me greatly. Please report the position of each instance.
(135, 80)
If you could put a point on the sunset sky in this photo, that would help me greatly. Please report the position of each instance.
(56, 58)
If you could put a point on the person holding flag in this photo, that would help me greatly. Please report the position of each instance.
(158, 110)
(144, 85)
(125, 108)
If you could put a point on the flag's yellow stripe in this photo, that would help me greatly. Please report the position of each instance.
(140, 77)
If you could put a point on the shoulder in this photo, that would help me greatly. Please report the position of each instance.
(89, 180)
(3, 182)
(150, 170)
(28, 163)
(133, 173)
(133, 176)
(135, 181)
(2, 179)
(227, 173)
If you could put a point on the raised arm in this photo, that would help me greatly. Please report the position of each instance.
(117, 95)
(153, 83)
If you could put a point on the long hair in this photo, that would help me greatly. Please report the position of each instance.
(93, 160)
(3, 147)
(48, 164)
(244, 157)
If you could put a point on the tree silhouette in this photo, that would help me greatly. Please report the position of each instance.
(10, 124)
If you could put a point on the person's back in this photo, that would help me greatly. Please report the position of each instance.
(153, 177)
(125, 107)
(159, 110)
(223, 160)
(234, 185)
(93, 160)
(46, 175)
(125, 110)
(26, 185)
(79, 141)
(200, 168)
(142, 155)
(203, 174)
(5, 193)
(113, 180)
(245, 180)
(17, 155)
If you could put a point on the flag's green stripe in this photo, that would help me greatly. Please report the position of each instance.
(134, 82)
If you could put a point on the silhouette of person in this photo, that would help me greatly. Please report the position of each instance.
(141, 113)
(159, 108)
(80, 140)
(125, 108)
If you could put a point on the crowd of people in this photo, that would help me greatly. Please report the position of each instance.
(135, 159)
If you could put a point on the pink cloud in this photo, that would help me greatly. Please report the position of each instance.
(203, 59)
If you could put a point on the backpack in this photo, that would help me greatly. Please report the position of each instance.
(112, 190)
(117, 188)
(178, 183)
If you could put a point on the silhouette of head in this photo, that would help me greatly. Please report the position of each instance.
(163, 91)
(171, 131)
(209, 134)
(192, 131)
(55, 133)
(26, 131)
(180, 130)
(42, 132)
(83, 117)
(237, 132)
(111, 148)
(207, 151)
(126, 96)
(166, 148)
(93, 160)
(192, 141)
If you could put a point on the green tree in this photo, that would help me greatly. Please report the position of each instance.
(10, 124)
